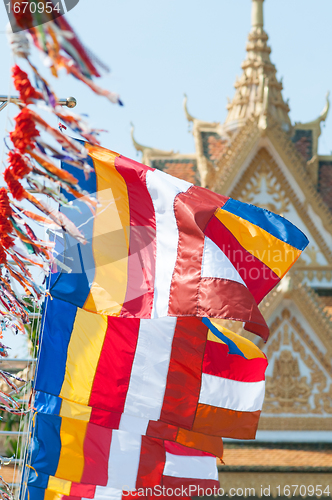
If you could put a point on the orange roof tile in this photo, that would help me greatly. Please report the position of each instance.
(276, 457)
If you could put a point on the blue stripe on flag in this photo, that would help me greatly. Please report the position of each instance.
(46, 403)
(32, 493)
(233, 348)
(272, 223)
(59, 322)
(37, 479)
(74, 287)
(46, 443)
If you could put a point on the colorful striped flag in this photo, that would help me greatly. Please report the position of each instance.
(160, 246)
(53, 484)
(69, 449)
(53, 405)
(147, 364)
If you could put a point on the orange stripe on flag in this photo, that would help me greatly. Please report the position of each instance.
(226, 423)
(111, 232)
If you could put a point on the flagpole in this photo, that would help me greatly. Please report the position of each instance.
(70, 102)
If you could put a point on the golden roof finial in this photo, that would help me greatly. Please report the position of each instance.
(257, 81)
(257, 19)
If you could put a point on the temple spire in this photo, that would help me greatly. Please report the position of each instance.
(257, 91)
(257, 17)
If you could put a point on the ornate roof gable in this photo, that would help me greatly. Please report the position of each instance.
(299, 350)
(299, 380)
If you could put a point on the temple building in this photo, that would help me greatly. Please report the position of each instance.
(259, 156)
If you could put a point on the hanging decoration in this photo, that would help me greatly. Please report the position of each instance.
(34, 149)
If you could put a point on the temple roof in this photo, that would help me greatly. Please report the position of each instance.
(291, 456)
(258, 92)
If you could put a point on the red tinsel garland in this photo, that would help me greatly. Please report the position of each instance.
(25, 131)
(18, 165)
(6, 241)
(23, 85)
(15, 187)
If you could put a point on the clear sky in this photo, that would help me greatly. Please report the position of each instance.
(159, 50)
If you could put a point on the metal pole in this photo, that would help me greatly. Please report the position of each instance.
(70, 102)
(3, 105)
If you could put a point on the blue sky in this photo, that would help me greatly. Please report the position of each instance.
(159, 50)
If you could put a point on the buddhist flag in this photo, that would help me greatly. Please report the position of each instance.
(160, 246)
(68, 449)
(187, 372)
(53, 405)
(50, 484)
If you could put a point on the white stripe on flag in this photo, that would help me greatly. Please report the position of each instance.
(163, 189)
(150, 368)
(124, 460)
(231, 394)
(129, 423)
(105, 493)
(190, 467)
(216, 265)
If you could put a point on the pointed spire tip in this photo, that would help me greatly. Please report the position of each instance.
(257, 17)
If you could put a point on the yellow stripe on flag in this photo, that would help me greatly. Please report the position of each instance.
(70, 409)
(52, 495)
(59, 485)
(274, 253)
(248, 348)
(84, 350)
(110, 242)
(71, 460)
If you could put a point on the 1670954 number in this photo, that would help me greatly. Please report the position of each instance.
(33, 7)
(303, 490)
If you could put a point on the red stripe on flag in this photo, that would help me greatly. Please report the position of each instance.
(258, 277)
(217, 361)
(82, 490)
(193, 209)
(96, 450)
(198, 441)
(142, 243)
(221, 298)
(69, 497)
(157, 429)
(197, 486)
(184, 373)
(110, 419)
(112, 376)
(226, 423)
(152, 462)
(179, 449)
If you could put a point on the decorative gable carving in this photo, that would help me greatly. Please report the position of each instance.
(297, 383)
(262, 185)
(298, 379)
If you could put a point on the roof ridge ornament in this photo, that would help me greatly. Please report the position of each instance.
(189, 117)
(144, 149)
